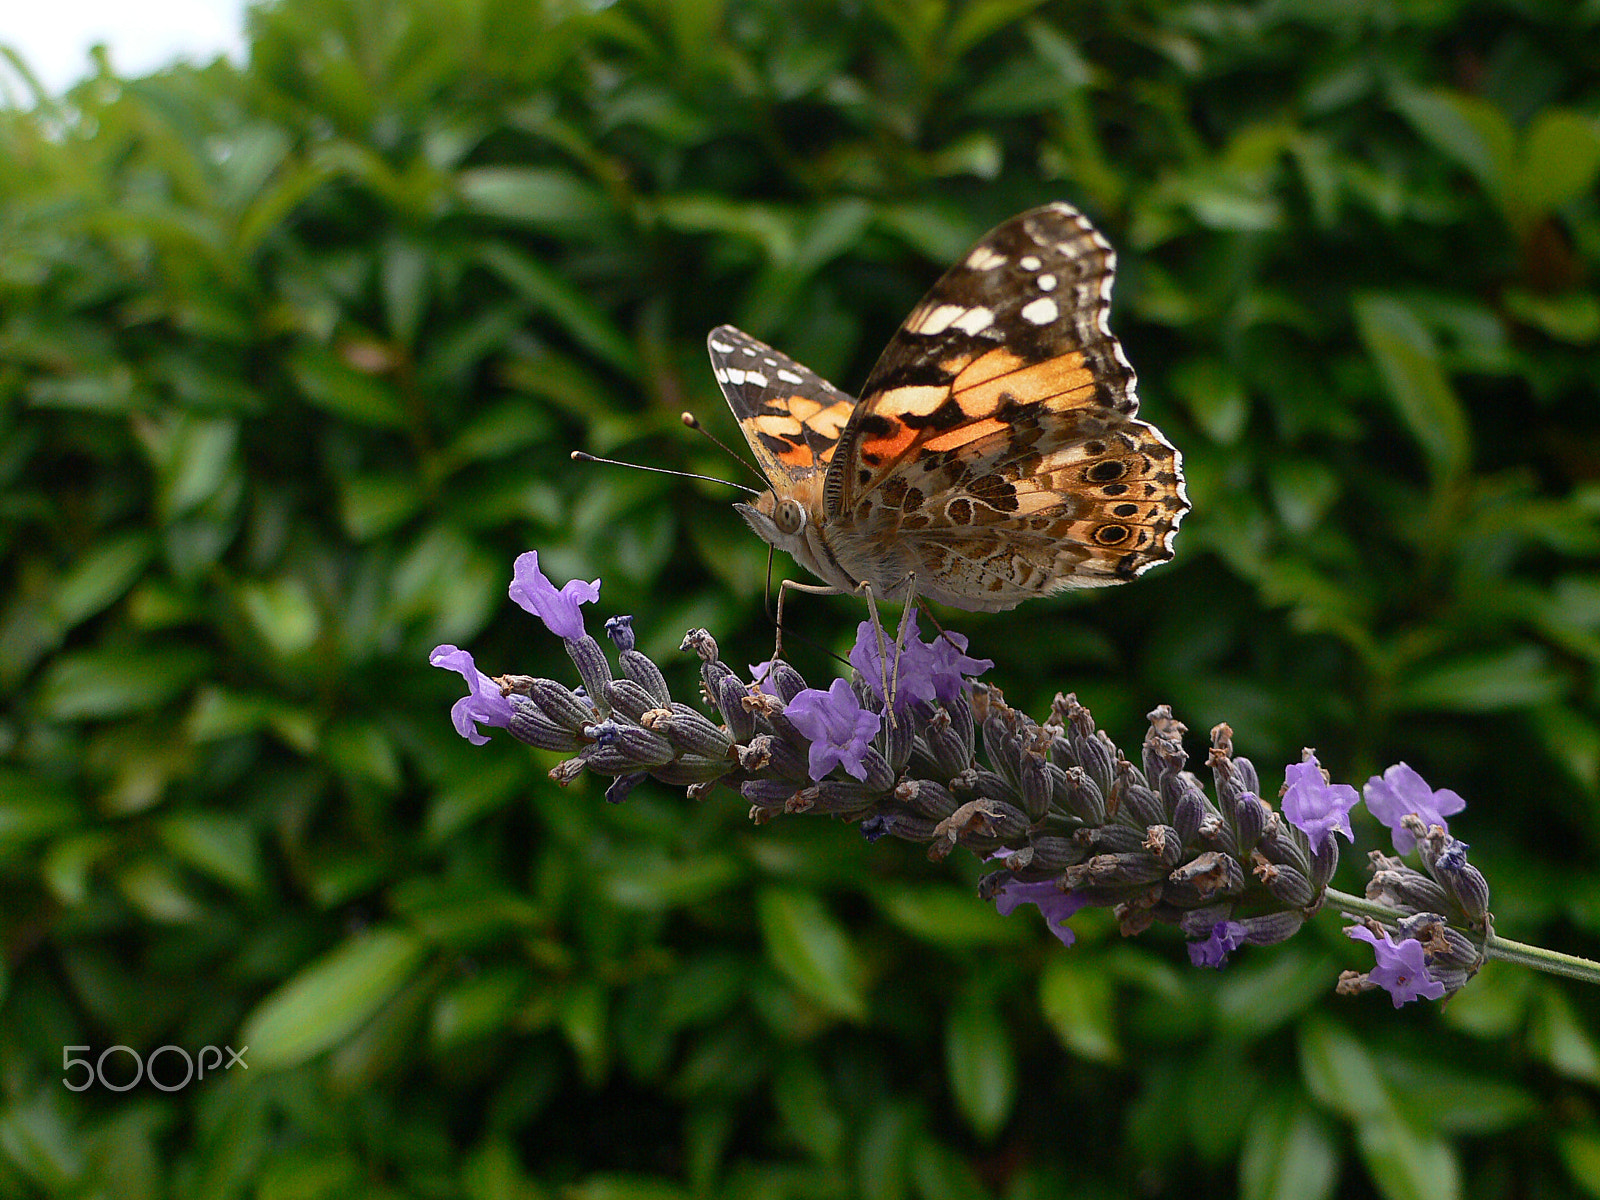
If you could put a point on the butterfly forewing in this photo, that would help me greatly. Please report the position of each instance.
(790, 415)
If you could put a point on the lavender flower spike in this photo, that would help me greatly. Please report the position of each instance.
(1400, 791)
(1313, 805)
(558, 609)
(484, 703)
(1401, 969)
(837, 727)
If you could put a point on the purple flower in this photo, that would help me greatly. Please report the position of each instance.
(950, 665)
(482, 705)
(1226, 937)
(837, 727)
(1400, 791)
(557, 609)
(925, 671)
(761, 677)
(1401, 969)
(1055, 904)
(1313, 805)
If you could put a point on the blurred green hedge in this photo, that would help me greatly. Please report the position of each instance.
(291, 360)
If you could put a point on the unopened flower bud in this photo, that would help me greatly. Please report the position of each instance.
(730, 695)
(623, 746)
(688, 731)
(1189, 807)
(770, 794)
(944, 745)
(1056, 854)
(1132, 800)
(630, 699)
(1286, 884)
(1271, 928)
(927, 797)
(1252, 817)
(1082, 797)
(529, 724)
(637, 667)
(561, 704)
(593, 667)
(619, 788)
(1036, 787)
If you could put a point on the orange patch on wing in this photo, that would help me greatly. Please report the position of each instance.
(831, 420)
(892, 445)
(963, 435)
(971, 372)
(1064, 381)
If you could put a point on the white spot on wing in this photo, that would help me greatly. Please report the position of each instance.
(755, 377)
(790, 377)
(1041, 311)
(983, 258)
(1029, 263)
(1047, 283)
(721, 349)
(750, 350)
(975, 320)
(936, 320)
(735, 376)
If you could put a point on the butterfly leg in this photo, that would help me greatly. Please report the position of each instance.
(889, 687)
(784, 586)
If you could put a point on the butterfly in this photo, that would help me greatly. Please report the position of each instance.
(995, 454)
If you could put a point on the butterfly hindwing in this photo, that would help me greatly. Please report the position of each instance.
(790, 415)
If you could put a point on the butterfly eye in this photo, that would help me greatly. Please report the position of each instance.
(788, 517)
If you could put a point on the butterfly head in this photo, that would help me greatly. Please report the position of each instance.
(778, 521)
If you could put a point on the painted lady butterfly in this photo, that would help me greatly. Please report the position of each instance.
(994, 455)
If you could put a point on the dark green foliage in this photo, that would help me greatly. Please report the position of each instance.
(291, 360)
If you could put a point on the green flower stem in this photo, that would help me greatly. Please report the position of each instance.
(1495, 946)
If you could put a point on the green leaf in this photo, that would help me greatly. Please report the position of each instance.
(1341, 1074)
(1406, 1164)
(665, 884)
(1569, 317)
(333, 385)
(96, 684)
(1215, 397)
(540, 196)
(1580, 1153)
(812, 950)
(552, 294)
(223, 846)
(1078, 1001)
(1560, 1038)
(1470, 130)
(1517, 677)
(943, 917)
(326, 1002)
(1289, 1153)
(1409, 364)
(102, 577)
(1560, 159)
(981, 1062)
(282, 613)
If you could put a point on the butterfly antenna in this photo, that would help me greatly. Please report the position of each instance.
(584, 456)
(693, 422)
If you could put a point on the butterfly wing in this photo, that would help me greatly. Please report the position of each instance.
(790, 415)
(997, 439)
